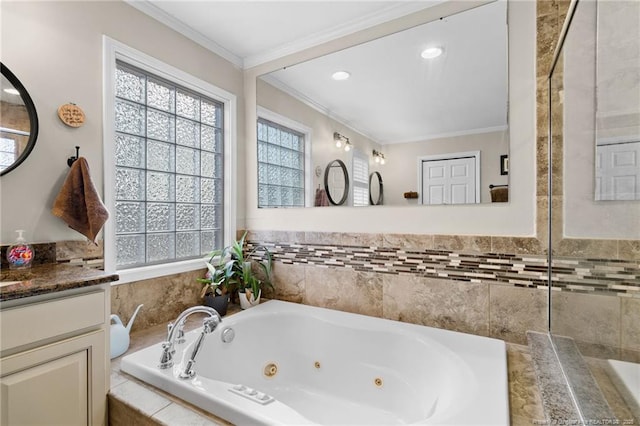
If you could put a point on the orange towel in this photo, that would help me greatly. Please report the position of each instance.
(78, 202)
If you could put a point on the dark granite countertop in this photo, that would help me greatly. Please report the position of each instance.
(48, 278)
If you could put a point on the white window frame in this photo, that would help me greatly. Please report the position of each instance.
(284, 121)
(114, 50)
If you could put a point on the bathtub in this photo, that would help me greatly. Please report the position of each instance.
(296, 364)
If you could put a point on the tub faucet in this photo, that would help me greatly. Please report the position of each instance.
(208, 326)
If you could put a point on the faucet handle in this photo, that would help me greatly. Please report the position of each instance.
(179, 332)
(169, 328)
(210, 323)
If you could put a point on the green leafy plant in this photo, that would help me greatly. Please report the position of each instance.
(230, 268)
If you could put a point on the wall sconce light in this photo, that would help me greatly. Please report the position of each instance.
(378, 157)
(339, 139)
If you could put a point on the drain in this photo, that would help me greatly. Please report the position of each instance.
(378, 382)
(270, 370)
(316, 364)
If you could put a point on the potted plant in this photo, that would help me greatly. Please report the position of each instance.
(232, 269)
(215, 291)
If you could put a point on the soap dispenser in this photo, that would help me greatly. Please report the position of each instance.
(20, 254)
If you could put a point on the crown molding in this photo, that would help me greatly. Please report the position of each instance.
(148, 8)
(429, 137)
(375, 18)
(315, 105)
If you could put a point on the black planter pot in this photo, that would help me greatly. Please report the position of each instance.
(219, 303)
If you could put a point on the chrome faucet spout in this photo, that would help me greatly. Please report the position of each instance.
(176, 331)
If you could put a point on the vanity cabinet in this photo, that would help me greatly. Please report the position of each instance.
(54, 361)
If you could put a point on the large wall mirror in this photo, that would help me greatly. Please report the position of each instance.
(617, 102)
(18, 122)
(404, 105)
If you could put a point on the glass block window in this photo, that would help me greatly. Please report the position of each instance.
(360, 168)
(7, 152)
(281, 166)
(169, 170)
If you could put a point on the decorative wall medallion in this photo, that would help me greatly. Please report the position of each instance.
(71, 115)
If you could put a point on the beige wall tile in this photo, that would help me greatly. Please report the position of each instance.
(630, 356)
(344, 289)
(175, 414)
(547, 7)
(630, 323)
(542, 164)
(145, 400)
(629, 249)
(66, 250)
(516, 245)
(600, 249)
(359, 239)
(329, 238)
(547, 37)
(121, 414)
(452, 305)
(408, 241)
(513, 311)
(261, 236)
(598, 350)
(288, 236)
(462, 243)
(586, 317)
(289, 282)
(163, 298)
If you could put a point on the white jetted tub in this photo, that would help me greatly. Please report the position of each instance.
(295, 364)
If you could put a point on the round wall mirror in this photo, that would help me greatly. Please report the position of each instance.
(336, 182)
(376, 193)
(18, 122)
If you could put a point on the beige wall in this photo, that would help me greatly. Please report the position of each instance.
(58, 58)
(518, 217)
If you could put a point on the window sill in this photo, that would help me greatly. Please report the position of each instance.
(155, 271)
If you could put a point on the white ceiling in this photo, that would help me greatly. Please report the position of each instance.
(393, 95)
(250, 32)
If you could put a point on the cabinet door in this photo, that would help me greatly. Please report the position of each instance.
(53, 393)
(63, 383)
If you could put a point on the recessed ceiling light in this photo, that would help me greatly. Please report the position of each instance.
(431, 52)
(340, 75)
(12, 91)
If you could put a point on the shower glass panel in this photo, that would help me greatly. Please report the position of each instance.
(594, 94)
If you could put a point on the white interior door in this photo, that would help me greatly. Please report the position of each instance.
(618, 171)
(449, 181)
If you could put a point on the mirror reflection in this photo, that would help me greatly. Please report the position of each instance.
(18, 122)
(617, 108)
(376, 189)
(336, 183)
(393, 105)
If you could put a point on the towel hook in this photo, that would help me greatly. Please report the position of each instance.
(71, 160)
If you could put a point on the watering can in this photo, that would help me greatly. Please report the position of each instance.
(120, 334)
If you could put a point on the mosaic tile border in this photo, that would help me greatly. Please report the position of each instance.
(593, 276)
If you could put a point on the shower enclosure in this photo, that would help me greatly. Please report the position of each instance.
(594, 208)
